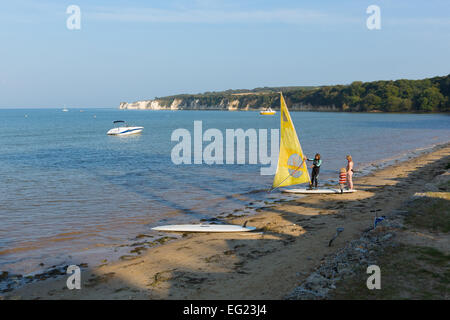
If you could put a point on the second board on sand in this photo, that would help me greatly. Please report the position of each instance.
(316, 191)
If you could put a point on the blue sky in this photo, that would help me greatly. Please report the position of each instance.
(133, 50)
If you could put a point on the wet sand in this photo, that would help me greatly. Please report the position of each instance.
(292, 242)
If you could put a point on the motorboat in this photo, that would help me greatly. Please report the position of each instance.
(267, 112)
(123, 129)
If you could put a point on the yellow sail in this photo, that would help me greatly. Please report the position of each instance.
(291, 168)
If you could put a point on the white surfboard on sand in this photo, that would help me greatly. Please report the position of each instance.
(204, 228)
(316, 191)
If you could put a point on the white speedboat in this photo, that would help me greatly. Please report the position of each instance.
(122, 129)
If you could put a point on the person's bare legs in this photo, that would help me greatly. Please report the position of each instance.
(350, 181)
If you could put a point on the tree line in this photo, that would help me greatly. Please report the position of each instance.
(426, 95)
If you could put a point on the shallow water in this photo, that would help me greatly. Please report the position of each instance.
(69, 193)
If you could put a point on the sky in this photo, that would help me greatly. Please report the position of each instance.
(136, 50)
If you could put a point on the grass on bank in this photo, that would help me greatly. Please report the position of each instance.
(407, 272)
(431, 212)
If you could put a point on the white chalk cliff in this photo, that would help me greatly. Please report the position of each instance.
(180, 104)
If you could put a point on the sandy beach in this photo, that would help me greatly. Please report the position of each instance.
(292, 241)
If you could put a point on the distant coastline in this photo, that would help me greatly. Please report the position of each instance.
(224, 105)
(426, 95)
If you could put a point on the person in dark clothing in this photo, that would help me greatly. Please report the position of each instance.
(315, 170)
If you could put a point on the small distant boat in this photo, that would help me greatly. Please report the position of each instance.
(267, 112)
(65, 109)
(122, 129)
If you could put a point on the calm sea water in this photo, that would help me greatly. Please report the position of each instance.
(69, 193)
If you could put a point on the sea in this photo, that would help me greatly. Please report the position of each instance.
(71, 194)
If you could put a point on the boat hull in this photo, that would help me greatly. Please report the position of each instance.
(267, 113)
(124, 131)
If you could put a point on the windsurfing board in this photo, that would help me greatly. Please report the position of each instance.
(317, 191)
(204, 228)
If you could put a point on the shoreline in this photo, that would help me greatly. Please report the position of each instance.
(201, 262)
